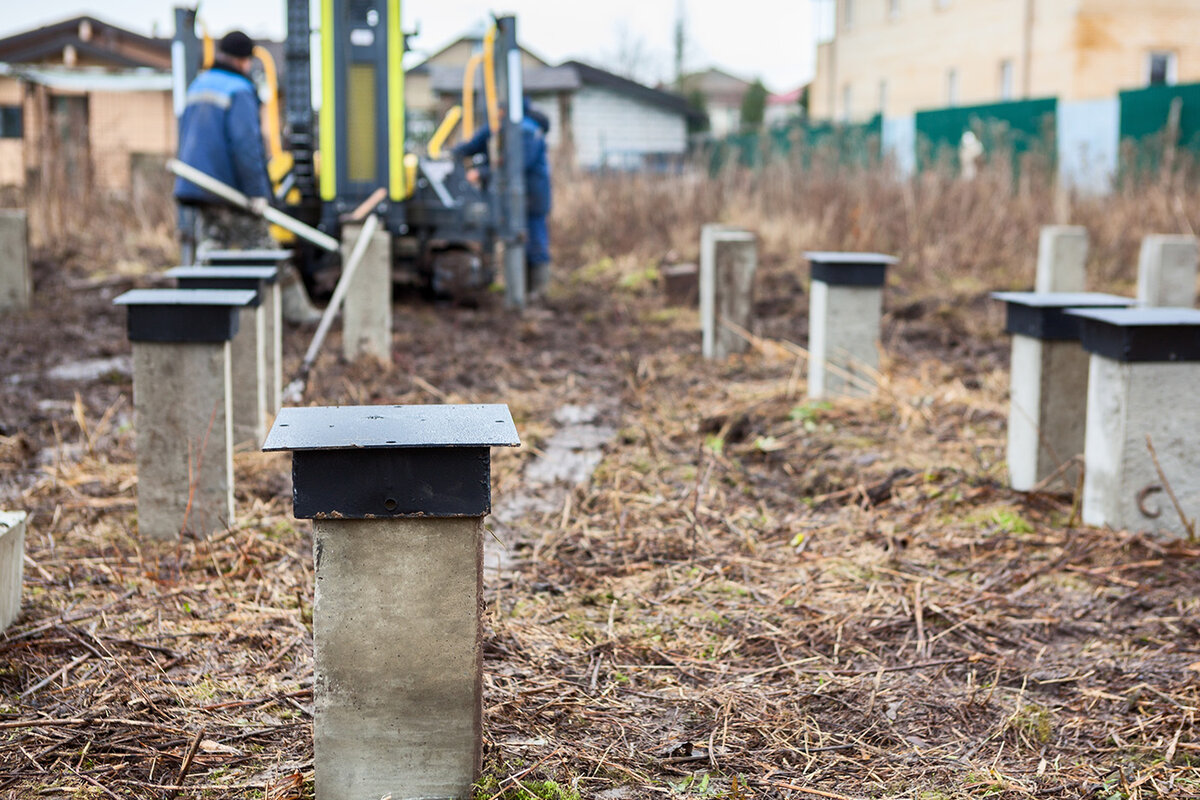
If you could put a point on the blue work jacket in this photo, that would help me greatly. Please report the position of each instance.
(537, 167)
(220, 135)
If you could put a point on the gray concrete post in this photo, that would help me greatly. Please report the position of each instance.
(1048, 382)
(182, 395)
(845, 309)
(1167, 271)
(12, 565)
(272, 310)
(1061, 259)
(397, 495)
(248, 350)
(16, 284)
(272, 313)
(367, 314)
(728, 260)
(1144, 369)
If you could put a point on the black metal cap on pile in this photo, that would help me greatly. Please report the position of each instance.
(1041, 315)
(245, 258)
(849, 269)
(184, 315)
(248, 278)
(1140, 334)
(365, 462)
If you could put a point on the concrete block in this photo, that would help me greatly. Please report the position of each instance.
(843, 339)
(12, 565)
(397, 495)
(681, 284)
(16, 283)
(248, 368)
(1167, 271)
(728, 260)
(1047, 409)
(397, 701)
(1061, 259)
(367, 314)
(1126, 403)
(272, 313)
(181, 396)
(1048, 389)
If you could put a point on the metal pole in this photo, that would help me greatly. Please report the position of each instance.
(512, 187)
(226, 192)
(295, 389)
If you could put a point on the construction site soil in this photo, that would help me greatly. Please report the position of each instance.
(751, 596)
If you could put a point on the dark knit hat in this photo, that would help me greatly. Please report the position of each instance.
(237, 44)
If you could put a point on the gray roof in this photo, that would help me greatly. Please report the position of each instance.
(446, 79)
(570, 76)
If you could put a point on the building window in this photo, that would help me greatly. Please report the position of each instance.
(11, 122)
(883, 97)
(1006, 79)
(825, 20)
(952, 87)
(847, 14)
(1161, 69)
(893, 9)
(846, 103)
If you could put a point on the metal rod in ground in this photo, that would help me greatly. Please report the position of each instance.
(273, 215)
(295, 389)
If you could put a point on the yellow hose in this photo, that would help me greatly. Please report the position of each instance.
(274, 136)
(468, 96)
(489, 79)
(209, 51)
(444, 130)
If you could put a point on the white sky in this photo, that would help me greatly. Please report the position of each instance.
(770, 39)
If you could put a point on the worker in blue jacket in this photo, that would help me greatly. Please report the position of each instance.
(220, 135)
(534, 127)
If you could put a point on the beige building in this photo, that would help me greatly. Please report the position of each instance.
(83, 104)
(899, 56)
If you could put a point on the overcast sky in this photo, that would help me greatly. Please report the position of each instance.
(770, 39)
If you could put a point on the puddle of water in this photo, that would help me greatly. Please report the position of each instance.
(568, 460)
(92, 369)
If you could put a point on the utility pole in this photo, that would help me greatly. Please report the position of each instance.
(680, 44)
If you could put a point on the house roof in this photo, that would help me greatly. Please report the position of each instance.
(92, 79)
(568, 76)
(670, 101)
(787, 98)
(444, 79)
(90, 37)
(716, 85)
(475, 40)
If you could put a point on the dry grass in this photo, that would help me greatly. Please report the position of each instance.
(754, 595)
(955, 239)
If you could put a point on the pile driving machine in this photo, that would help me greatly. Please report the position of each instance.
(327, 161)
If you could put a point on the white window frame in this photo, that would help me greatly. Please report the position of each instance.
(1172, 76)
(1007, 79)
(952, 87)
(847, 14)
(883, 97)
(847, 101)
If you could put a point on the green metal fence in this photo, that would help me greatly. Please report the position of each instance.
(1156, 120)
(841, 143)
(1015, 128)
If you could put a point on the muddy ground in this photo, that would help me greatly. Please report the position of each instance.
(751, 595)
